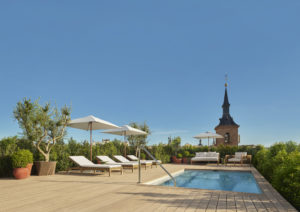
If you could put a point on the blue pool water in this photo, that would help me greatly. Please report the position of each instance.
(217, 180)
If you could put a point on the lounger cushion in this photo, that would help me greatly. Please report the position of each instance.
(125, 160)
(84, 162)
(108, 160)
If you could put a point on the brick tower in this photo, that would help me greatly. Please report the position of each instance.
(227, 127)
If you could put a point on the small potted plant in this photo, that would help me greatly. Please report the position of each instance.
(186, 157)
(20, 161)
(179, 158)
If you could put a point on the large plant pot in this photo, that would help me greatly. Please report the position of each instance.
(176, 160)
(20, 173)
(29, 167)
(186, 160)
(44, 168)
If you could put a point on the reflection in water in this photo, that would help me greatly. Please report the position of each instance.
(217, 180)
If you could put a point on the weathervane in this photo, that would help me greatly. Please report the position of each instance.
(226, 80)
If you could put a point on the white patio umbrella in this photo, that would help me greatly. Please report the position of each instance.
(91, 123)
(125, 131)
(208, 135)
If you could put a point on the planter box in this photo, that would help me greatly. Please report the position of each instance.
(44, 168)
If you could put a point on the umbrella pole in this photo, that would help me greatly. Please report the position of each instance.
(208, 143)
(125, 144)
(91, 140)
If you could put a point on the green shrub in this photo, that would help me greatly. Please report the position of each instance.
(186, 154)
(280, 165)
(8, 145)
(6, 166)
(287, 178)
(179, 155)
(143, 156)
(21, 158)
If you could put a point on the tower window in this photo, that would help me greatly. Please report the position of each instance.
(227, 137)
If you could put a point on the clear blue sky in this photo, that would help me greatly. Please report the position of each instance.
(162, 62)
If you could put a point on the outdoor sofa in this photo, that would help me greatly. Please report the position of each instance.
(125, 160)
(134, 158)
(85, 164)
(109, 161)
(238, 157)
(206, 157)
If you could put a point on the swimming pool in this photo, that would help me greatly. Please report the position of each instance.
(238, 181)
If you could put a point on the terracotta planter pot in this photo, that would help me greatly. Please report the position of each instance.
(29, 167)
(186, 160)
(44, 168)
(20, 173)
(176, 160)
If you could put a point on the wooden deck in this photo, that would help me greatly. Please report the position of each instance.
(89, 192)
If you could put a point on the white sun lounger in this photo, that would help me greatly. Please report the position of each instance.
(85, 164)
(134, 158)
(125, 160)
(109, 161)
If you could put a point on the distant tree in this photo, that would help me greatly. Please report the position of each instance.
(137, 140)
(42, 125)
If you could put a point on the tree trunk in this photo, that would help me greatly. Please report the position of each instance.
(47, 157)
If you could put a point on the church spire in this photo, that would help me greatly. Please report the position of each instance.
(226, 118)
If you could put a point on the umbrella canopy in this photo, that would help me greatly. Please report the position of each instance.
(208, 135)
(125, 131)
(91, 123)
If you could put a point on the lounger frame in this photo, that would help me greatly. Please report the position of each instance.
(105, 169)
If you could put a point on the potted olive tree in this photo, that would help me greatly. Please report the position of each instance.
(20, 161)
(43, 126)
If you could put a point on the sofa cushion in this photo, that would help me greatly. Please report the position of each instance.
(201, 154)
(234, 160)
(211, 154)
(239, 155)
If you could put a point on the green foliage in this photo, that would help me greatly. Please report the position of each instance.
(175, 144)
(21, 158)
(42, 125)
(161, 152)
(137, 140)
(179, 155)
(8, 145)
(5, 166)
(287, 178)
(143, 156)
(280, 165)
(186, 154)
